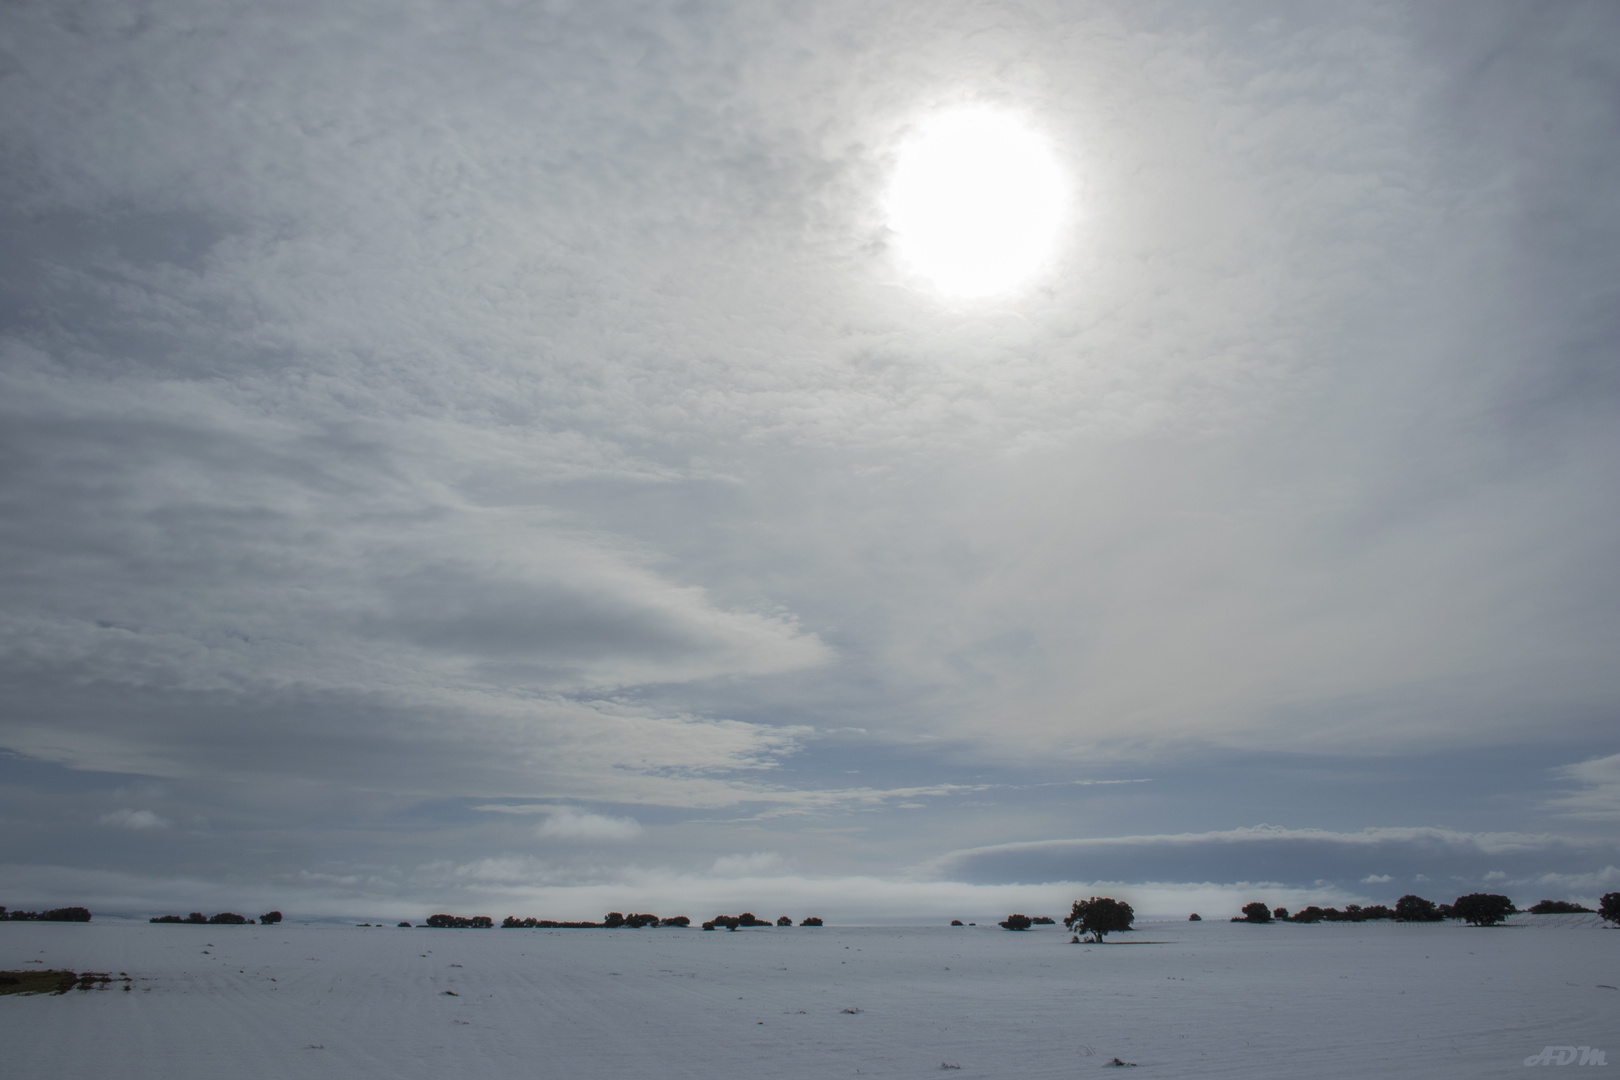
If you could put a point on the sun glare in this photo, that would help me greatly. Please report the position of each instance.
(976, 202)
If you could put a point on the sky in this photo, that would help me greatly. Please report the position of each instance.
(497, 457)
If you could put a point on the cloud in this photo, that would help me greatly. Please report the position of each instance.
(134, 820)
(574, 825)
(1598, 797)
(1293, 857)
(758, 864)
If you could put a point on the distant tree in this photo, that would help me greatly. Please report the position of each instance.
(636, 922)
(1043, 920)
(1482, 909)
(811, 921)
(477, 922)
(1559, 907)
(196, 917)
(784, 921)
(405, 924)
(678, 920)
(1413, 908)
(708, 926)
(956, 922)
(1256, 912)
(1016, 922)
(1609, 907)
(1195, 917)
(1309, 914)
(228, 918)
(1098, 916)
(614, 920)
(270, 918)
(1280, 913)
(166, 919)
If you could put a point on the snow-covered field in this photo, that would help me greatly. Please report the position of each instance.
(1180, 999)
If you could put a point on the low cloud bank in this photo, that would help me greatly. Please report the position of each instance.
(1387, 858)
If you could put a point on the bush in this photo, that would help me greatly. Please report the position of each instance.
(1482, 909)
(456, 922)
(270, 918)
(678, 920)
(956, 922)
(61, 914)
(405, 924)
(1098, 916)
(1413, 908)
(811, 921)
(1280, 913)
(1559, 907)
(614, 920)
(228, 918)
(1043, 920)
(1016, 922)
(1609, 907)
(1195, 917)
(1256, 913)
(166, 919)
(197, 917)
(784, 921)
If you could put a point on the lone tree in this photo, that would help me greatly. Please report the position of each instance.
(1016, 922)
(1098, 916)
(1413, 908)
(270, 918)
(1256, 913)
(1609, 907)
(1482, 909)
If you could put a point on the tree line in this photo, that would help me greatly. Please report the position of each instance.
(61, 914)
(1477, 909)
(614, 920)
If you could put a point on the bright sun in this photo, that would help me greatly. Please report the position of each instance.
(976, 202)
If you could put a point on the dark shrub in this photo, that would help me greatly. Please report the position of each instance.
(1043, 920)
(67, 914)
(1310, 914)
(784, 921)
(1559, 907)
(270, 918)
(228, 918)
(614, 920)
(1256, 913)
(1413, 908)
(636, 922)
(197, 917)
(1098, 916)
(1195, 917)
(1279, 913)
(167, 918)
(811, 921)
(1376, 911)
(1482, 909)
(1016, 922)
(1609, 907)
(678, 920)
(956, 922)
(477, 922)
(747, 919)
(708, 926)
(405, 924)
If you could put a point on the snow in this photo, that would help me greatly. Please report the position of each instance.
(1209, 999)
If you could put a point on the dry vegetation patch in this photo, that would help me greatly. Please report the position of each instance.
(53, 982)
